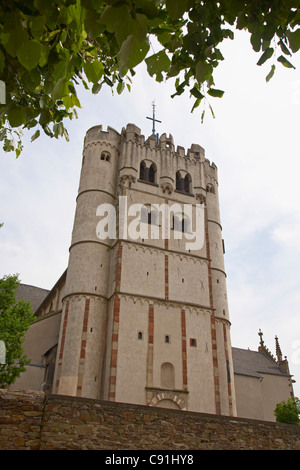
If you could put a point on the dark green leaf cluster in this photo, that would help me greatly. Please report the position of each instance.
(15, 319)
(47, 47)
(288, 411)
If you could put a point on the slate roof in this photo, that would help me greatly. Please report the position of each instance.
(32, 294)
(254, 363)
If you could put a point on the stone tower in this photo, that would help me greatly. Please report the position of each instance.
(145, 312)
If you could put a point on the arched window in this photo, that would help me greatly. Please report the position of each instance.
(147, 174)
(152, 217)
(178, 181)
(152, 172)
(185, 225)
(177, 225)
(144, 215)
(105, 156)
(186, 184)
(183, 184)
(149, 216)
(167, 376)
(142, 170)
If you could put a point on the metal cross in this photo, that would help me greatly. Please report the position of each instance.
(153, 119)
(260, 333)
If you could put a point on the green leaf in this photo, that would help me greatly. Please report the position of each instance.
(16, 116)
(2, 61)
(285, 62)
(212, 111)
(215, 93)
(158, 63)
(93, 70)
(59, 70)
(35, 135)
(120, 87)
(13, 34)
(37, 26)
(294, 39)
(176, 8)
(284, 48)
(44, 56)
(140, 27)
(29, 53)
(202, 116)
(196, 93)
(203, 71)
(60, 89)
(270, 74)
(58, 129)
(131, 53)
(111, 16)
(266, 55)
(256, 41)
(92, 25)
(196, 104)
(163, 36)
(96, 88)
(42, 5)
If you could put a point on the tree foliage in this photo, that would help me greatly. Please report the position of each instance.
(47, 47)
(15, 319)
(288, 411)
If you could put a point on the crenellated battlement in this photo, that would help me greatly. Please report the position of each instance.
(132, 133)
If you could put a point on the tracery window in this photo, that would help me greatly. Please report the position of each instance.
(105, 156)
(147, 174)
(184, 184)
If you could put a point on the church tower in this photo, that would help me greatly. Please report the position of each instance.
(145, 313)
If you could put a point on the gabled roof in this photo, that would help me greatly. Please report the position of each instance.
(32, 294)
(254, 363)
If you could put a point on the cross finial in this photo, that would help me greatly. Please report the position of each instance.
(260, 334)
(153, 119)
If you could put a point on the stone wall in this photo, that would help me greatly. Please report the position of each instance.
(33, 420)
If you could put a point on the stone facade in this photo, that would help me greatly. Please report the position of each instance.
(145, 319)
(35, 421)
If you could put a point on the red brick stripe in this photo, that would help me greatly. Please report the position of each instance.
(62, 344)
(84, 329)
(227, 362)
(119, 267)
(63, 336)
(114, 350)
(151, 324)
(149, 395)
(166, 277)
(184, 356)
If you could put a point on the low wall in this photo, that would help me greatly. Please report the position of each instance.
(35, 421)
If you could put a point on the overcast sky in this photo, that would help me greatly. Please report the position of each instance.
(253, 140)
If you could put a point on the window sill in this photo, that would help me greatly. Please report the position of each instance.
(183, 192)
(148, 182)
